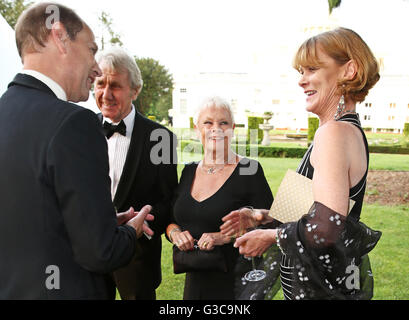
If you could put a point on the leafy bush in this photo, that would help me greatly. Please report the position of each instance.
(313, 124)
(253, 123)
(406, 129)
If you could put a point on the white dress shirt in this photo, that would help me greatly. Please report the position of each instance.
(118, 146)
(54, 86)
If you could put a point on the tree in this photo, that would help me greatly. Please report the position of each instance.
(11, 10)
(156, 95)
(333, 4)
(106, 22)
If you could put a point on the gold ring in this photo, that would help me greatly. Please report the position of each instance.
(205, 244)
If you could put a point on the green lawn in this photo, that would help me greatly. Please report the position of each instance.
(390, 258)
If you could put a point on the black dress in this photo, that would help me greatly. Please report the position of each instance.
(324, 254)
(247, 186)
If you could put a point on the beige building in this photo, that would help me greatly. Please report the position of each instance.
(270, 84)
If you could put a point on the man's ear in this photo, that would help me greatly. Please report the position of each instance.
(60, 37)
(135, 93)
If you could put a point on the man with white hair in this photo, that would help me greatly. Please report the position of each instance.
(143, 171)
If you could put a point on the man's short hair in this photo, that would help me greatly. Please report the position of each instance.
(34, 25)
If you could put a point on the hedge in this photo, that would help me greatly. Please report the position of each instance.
(388, 149)
(406, 129)
(284, 152)
(313, 124)
(262, 151)
(253, 123)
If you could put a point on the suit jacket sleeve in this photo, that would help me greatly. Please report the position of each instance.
(77, 162)
(166, 186)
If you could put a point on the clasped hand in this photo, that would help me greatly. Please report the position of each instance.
(207, 242)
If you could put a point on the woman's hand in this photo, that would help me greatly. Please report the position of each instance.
(208, 241)
(235, 224)
(183, 240)
(256, 242)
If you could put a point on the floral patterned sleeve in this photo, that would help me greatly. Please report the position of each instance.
(329, 254)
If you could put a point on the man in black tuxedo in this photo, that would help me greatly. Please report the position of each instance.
(59, 232)
(143, 167)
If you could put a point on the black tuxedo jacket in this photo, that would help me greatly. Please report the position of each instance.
(146, 181)
(55, 204)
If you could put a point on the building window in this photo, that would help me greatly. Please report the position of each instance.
(392, 105)
(368, 105)
(276, 101)
(183, 106)
(183, 90)
(367, 117)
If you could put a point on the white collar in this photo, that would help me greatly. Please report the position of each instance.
(54, 86)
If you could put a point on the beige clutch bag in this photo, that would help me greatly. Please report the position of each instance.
(294, 198)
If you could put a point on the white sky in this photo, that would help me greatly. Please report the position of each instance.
(223, 35)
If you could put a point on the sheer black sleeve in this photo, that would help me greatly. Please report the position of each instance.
(330, 255)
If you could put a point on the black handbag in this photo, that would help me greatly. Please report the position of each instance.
(198, 260)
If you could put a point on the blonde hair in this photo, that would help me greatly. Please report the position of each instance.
(342, 45)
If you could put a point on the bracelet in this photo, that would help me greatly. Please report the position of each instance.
(173, 230)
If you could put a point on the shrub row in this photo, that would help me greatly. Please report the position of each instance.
(251, 150)
(281, 152)
(388, 149)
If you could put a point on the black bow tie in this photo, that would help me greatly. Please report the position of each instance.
(110, 129)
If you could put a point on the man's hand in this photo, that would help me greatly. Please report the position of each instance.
(124, 217)
(138, 221)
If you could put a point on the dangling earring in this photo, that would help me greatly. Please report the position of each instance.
(340, 108)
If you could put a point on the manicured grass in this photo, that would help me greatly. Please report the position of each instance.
(390, 162)
(390, 258)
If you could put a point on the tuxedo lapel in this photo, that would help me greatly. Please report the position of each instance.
(30, 82)
(132, 161)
